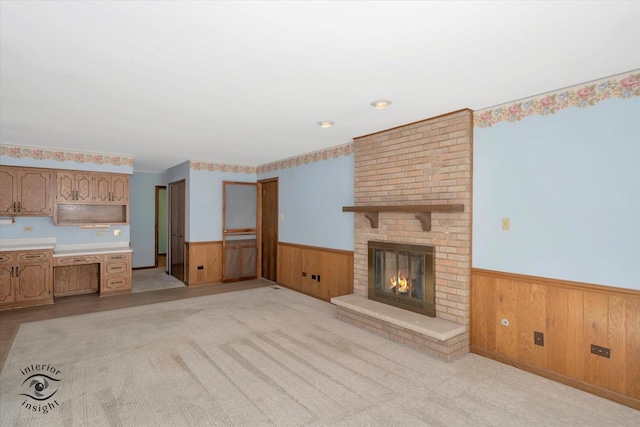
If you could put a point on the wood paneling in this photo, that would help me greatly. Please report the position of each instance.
(208, 256)
(76, 279)
(269, 228)
(332, 269)
(572, 316)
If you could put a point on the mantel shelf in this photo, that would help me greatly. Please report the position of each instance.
(422, 212)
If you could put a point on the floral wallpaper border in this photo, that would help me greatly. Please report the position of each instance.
(17, 152)
(221, 167)
(316, 156)
(626, 85)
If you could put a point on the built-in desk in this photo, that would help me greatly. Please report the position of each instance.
(79, 269)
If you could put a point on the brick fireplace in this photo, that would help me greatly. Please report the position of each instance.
(422, 163)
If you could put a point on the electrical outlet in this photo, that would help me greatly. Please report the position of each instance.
(201, 267)
(313, 277)
(101, 233)
(27, 228)
(304, 274)
(601, 351)
(538, 338)
(506, 224)
(318, 277)
(117, 232)
(505, 322)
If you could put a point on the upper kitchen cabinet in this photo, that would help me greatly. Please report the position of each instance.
(112, 189)
(74, 187)
(84, 198)
(25, 191)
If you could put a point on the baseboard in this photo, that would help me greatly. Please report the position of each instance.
(572, 382)
(305, 293)
(144, 268)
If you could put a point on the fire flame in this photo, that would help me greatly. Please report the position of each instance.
(401, 282)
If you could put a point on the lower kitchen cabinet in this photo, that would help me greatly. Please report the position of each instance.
(26, 278)
(116, 273)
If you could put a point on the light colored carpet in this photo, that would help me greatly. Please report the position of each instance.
(153, 279)
(271, 357)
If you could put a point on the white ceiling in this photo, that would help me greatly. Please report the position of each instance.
(246, 82)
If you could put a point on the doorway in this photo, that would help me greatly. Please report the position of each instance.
(176, 229)
(161, 227)
(269, 228)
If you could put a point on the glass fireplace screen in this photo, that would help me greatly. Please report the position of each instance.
(402, 275)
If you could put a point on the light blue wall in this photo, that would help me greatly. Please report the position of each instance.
(311, 197)
(142, 216)
(43, 226)
(570, 183)
(206, 213)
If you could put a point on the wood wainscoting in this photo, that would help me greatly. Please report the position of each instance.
(203, 263)
(572, 316)
(319, 272)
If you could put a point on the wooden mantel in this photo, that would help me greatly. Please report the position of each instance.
(422, 212)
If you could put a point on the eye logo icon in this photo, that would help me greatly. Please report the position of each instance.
(40, 387)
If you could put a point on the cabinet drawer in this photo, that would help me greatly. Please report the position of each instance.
(33, 256)
(117, 267)
(121, 256)
(7, 257)
(77, 260)
(116, 283)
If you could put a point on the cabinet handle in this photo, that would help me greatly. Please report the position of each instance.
(116, 268)
(116, 283)
(78, 260)
(19, 207)
(116, 256)
(17, 271)
(14, 206)
(32, 256)
(12, 271)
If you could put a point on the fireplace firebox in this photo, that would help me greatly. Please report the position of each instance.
(403, 275)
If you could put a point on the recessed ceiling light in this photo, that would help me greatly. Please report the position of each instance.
(381, 104)
(325, 124)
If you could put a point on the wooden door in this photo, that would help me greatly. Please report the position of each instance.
(177, 229)
(269, 229)
(7, 192)
(34, 190)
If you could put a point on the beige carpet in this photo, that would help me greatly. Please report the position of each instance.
(270, 357)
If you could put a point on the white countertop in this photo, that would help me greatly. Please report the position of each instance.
(63, 250)
(91, 249)
(27, 244)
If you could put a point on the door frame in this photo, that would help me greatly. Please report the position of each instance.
(157, 225)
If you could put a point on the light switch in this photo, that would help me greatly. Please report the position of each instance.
(281, 217)
(506, 224)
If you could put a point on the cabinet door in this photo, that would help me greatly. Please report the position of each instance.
(120, 189)
(103, 186)
(65, 186)
(84, 187)
(7, 291)
(33, 282)
(8, 188)
(34, 192)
